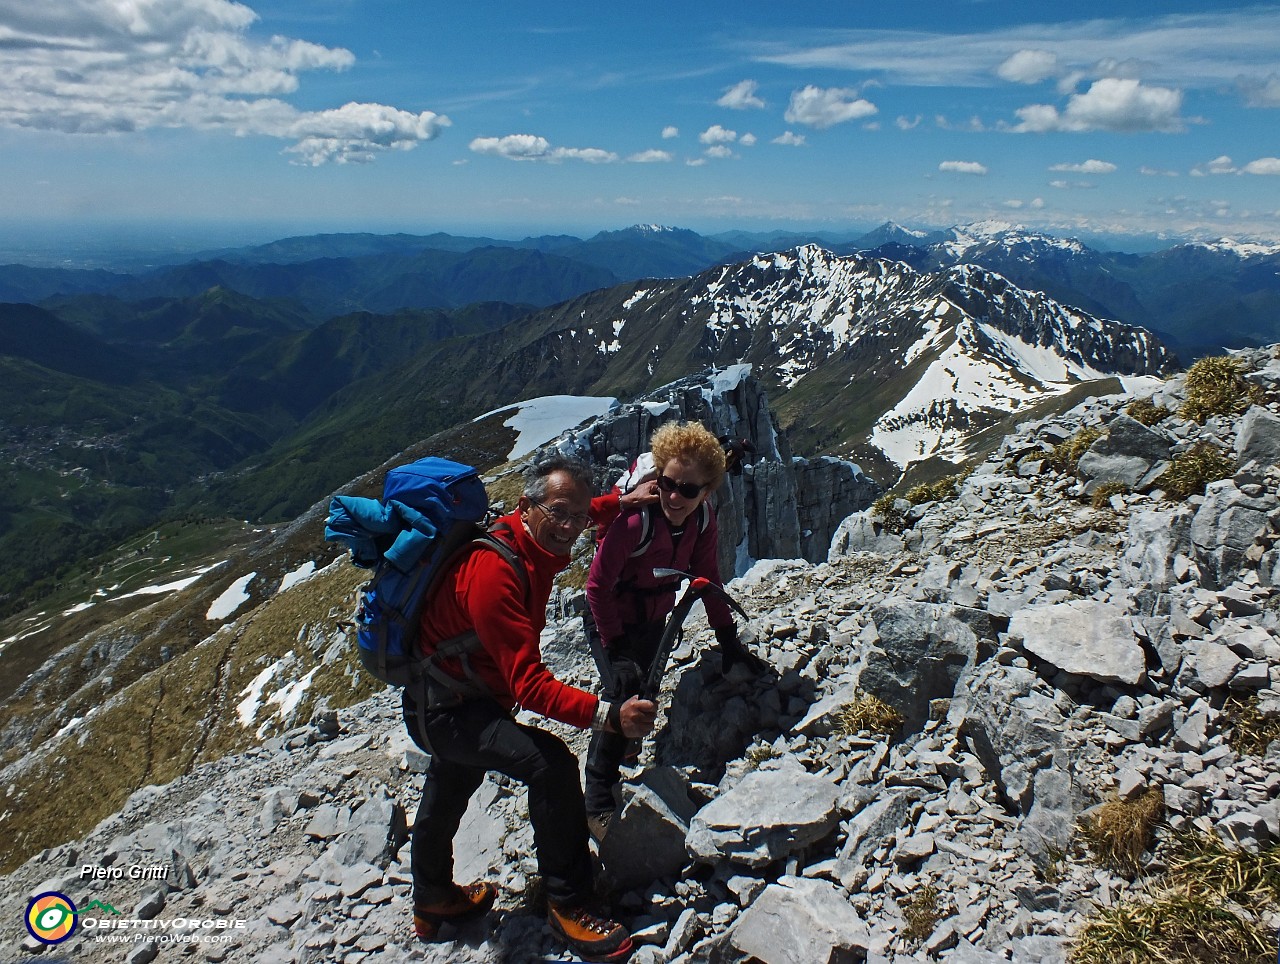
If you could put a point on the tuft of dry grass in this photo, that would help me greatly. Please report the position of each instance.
(1119, 832)
(940, 490)
(1194, 469)
(1103, 493)
(922, 913)
(1216, 386)
(1250, 732)
(886, 507)
(760, 753)
(1066, 455)
(1173, 929)
(1208, 907)
(1147, 412)
(867, 713)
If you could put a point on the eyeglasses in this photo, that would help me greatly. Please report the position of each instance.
(686, 489)
(562, 518)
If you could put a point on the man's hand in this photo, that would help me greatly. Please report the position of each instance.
(637, 717)
(646, 493)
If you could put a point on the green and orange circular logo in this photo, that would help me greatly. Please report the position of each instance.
(51, 917)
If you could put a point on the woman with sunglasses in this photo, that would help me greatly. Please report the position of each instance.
(629, 605)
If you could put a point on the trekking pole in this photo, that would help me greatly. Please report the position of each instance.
(671, 636)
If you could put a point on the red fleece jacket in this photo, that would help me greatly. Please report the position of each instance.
(483, 593)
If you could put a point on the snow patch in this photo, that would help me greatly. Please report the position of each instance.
(288, 699)
(539, 420)
(232, 598)
(301, 574)
(729, 379)
(174, 586)
(247, 708)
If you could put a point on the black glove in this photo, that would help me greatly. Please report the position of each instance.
(732, 653)
(736, 451)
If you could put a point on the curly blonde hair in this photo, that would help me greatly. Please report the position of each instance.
(691, 444)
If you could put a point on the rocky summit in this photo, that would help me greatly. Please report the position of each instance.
(974, 677)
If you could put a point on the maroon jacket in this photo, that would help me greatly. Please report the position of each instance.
(615, 573)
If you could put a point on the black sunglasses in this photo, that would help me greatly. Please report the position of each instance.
(686, 489)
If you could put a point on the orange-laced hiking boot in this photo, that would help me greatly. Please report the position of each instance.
(465, 903)
(592, 938)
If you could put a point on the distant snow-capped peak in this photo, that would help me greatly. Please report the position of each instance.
(1013, 239)
(988, 347)
(1240, 248)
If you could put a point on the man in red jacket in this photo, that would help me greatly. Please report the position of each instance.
(467, 737)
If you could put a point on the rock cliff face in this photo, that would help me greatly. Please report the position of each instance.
(1049, 645)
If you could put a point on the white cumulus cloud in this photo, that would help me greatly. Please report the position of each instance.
(747, 140)
(650, 157)
(98, 66)
(1029, 66)
(963, 167)
(719, 151)
(669, 132)
(715, 134)
(825, 107)
(789, 139)
(741, 96)
(533, 147)
(1222, 164)
(356, 132)
(1111, 104)
(1263, 165)
(517, 147)
(1088, 167)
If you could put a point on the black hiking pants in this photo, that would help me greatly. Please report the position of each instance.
(629, 658)
(465, 742)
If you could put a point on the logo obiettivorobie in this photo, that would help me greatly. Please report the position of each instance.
(51, 917)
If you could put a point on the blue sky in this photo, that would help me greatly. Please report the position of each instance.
(285, 116)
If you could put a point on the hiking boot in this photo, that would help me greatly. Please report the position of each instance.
(598, 825)
(462, 904)
(591, 938)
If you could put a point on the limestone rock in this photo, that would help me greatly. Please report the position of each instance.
(768, 815)
(1084, 637)
(800, 921)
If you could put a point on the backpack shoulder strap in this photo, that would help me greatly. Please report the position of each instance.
(646, 532)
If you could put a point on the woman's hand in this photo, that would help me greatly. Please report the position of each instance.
(646, 493)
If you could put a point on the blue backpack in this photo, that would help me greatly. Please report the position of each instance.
(431, 510)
